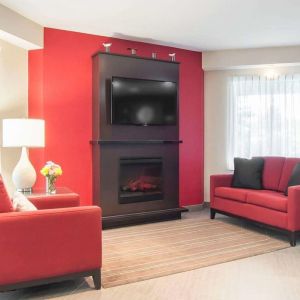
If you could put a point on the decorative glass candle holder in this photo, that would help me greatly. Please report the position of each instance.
(132, 50)
(173, 56)
(107, 47)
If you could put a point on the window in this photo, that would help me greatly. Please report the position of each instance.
(263, 117)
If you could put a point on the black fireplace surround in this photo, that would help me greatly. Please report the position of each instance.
(135, 168)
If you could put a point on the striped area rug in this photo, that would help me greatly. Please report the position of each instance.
(142, 252)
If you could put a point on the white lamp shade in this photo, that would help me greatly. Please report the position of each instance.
(23, 133)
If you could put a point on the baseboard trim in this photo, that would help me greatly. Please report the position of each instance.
(197, 207)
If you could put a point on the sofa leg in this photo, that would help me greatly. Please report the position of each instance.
(97, 279)
(212, 213)
(292, 235)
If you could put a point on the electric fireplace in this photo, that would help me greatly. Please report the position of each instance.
(140, 179)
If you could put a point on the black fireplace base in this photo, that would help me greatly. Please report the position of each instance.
(142, 217)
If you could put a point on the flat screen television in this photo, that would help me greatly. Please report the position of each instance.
(143, 102)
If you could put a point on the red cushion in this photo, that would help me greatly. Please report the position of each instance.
(268, 199)
(5, 202)
(287, 170)
(253, 212)
(231, 193)
(272, 172)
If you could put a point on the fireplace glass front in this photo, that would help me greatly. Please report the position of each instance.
(141, 179)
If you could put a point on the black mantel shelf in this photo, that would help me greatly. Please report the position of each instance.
(136, 56)
(101, 142)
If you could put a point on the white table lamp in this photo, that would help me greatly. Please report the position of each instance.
(23, 133)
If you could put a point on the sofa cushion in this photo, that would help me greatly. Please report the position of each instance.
(295, 178)
(248, 173)
(5, 202)
(269, 199)
(231, 193)
(272, 172)
(286, 173)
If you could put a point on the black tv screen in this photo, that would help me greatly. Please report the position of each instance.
(143, 102)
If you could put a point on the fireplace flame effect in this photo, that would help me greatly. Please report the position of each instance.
(142, 184)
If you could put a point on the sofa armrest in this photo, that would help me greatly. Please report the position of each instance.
(48, 243)
(55, 201)
(219, 181)
(294, 208)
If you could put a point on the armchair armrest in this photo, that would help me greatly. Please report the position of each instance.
(48, 243)
(218, 181)
(294, 208)
(55, 201)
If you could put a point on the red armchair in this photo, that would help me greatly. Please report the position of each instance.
(49, 245)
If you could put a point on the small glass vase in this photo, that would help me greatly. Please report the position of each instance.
(50, 185)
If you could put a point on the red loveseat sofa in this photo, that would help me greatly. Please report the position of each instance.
(269, 206)
(48, 245)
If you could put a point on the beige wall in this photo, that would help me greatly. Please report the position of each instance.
(13, 99)
(19, 30)
(250, 58)
(215, 95)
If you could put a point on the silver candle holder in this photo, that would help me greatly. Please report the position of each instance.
(172, 56)
(107, 47)
(132, 50)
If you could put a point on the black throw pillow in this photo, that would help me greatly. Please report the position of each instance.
(295, 178)
(248, 173)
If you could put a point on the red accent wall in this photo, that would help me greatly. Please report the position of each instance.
(60, 91)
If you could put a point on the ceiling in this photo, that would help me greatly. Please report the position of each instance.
(191, 24)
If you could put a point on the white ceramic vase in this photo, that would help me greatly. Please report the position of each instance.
(24, 175)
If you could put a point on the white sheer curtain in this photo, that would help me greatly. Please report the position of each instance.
(263, 117)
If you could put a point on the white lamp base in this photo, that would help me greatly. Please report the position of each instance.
(24, 175)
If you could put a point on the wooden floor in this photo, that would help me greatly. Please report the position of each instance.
(274, 276)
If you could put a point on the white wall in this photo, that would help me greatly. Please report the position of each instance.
(13, 100)
(215, 95)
